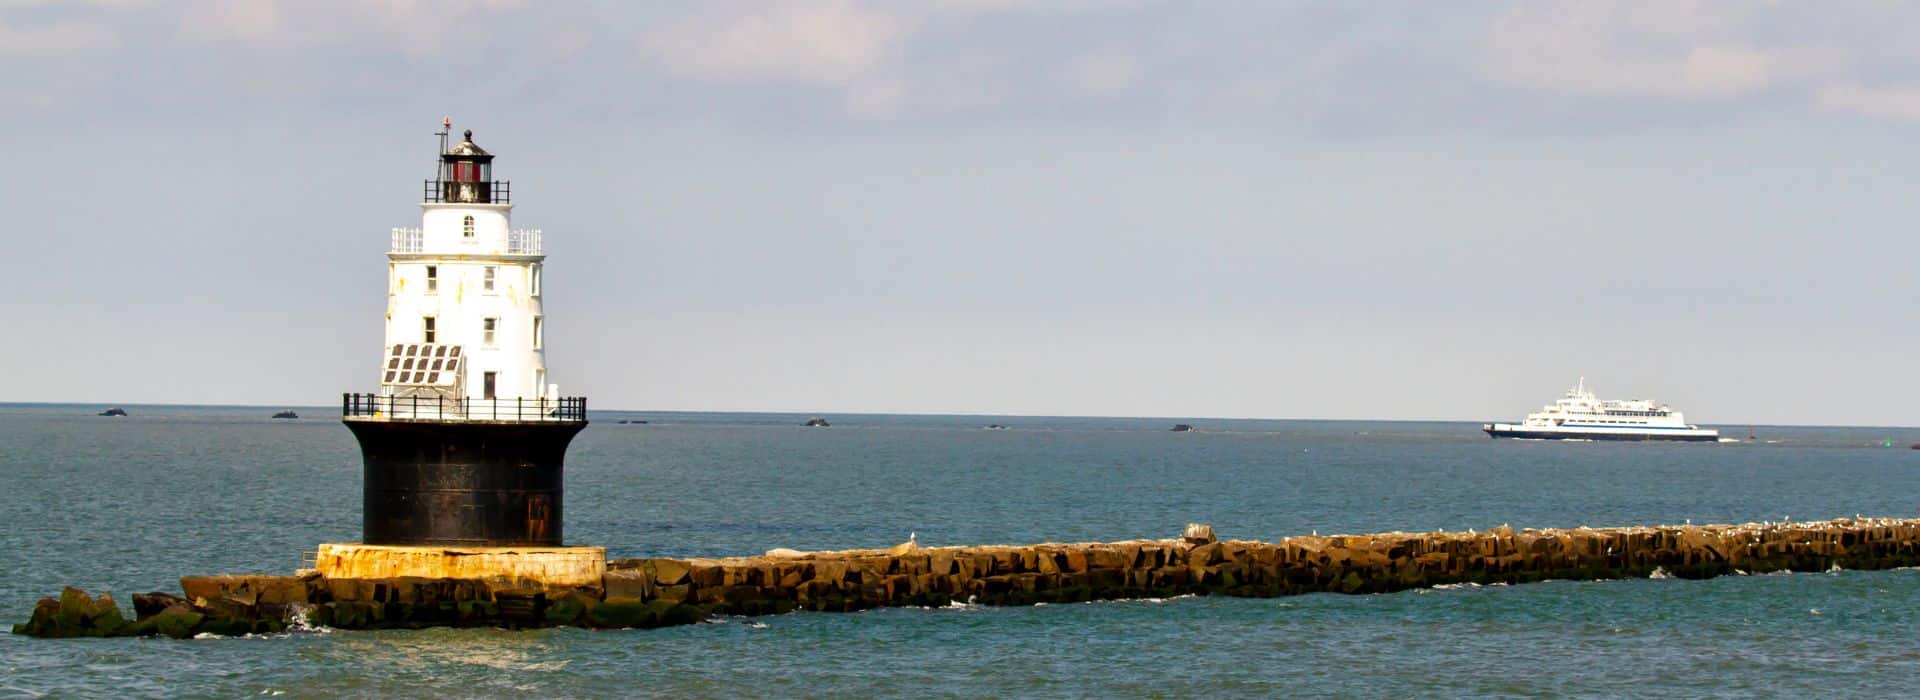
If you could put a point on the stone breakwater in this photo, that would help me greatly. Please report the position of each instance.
(640, 593)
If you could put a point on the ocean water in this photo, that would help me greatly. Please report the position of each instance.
(129, 505)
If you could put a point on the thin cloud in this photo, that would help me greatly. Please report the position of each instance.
(1102, 73)
(834, 43)
(1899, 103)
(53, 40)
(1623, 49)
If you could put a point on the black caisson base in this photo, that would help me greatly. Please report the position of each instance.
(463, 483)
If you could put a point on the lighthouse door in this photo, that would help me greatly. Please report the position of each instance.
(539, 515)
(486, 386)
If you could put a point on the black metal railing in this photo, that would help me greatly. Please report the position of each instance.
(567, 409)
(456, 192)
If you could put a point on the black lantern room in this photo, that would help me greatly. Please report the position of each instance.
(466, 176)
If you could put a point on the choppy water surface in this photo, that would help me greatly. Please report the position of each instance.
(129, 505)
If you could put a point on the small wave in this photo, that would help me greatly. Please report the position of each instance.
(297, 622)
(1730, 439)
(1660, 572)
(1147, 601)
(249, 635)
(1456, 586)
(1835, 569)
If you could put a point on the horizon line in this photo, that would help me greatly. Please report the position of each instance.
(935, 414)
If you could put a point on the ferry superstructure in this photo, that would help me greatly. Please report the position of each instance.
(1581, 416)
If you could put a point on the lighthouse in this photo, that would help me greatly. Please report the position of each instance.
(464, 442)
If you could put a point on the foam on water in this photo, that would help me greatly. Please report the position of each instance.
(1143, 601)
(298, 623)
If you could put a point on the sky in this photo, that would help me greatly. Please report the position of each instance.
(1393, 210)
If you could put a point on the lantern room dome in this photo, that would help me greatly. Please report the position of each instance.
(466, 148)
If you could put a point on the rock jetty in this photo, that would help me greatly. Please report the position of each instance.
(641, 593)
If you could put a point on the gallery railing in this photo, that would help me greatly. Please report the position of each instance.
(571, 409)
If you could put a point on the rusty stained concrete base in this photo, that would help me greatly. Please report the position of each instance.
(504, 567)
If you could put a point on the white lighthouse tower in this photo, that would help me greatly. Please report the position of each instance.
(467, 280)
(464, 444)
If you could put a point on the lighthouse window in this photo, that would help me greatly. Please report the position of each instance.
(426, 327)
(486, 330)
(487, 282)
(433, 279)
(535, 285)
(466, 227)
(537, 328)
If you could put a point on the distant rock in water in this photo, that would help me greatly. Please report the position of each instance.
(1915, 445)
(996, 426)
(286, 415)
(817, 422)
(1182, 428)
(633, 422)
(114, 412)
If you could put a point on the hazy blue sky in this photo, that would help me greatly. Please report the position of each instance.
(1258, 209)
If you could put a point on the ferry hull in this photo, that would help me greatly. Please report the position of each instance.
(1508, 431)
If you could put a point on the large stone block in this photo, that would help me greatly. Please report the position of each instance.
(873, 568)
(628, 583)
(1107, 558)
(705, 574)
(147, 605)
(1206, 555)
(74, 614)
(1076, 560)
(940, 562)
(830, 570)
(666, 572)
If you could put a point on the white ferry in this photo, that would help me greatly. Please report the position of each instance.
(1580, 416)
